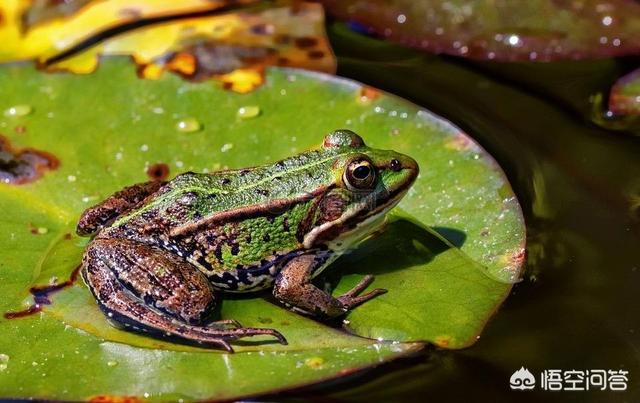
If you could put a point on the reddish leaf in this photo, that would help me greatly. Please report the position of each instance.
(625, 95)
(542, 30)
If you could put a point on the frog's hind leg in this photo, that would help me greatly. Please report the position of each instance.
(150, 290)
(294, 288)
(118, 203)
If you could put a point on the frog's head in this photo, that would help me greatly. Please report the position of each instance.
(367, 183)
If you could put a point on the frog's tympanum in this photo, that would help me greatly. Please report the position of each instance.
(162, 251)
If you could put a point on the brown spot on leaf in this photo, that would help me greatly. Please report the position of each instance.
(131, 13)
(25, 312)
(149, 71)
(37, 230)
(207, 60)
(40, 12)
(516, 259)
(20, 166)
(460, 142)
(41, 294)
(282, 39)
(114, 399)
(158, 172)
(20, 129)
(315, 54)
(183, 63)
(368, 94)
(442, 341)
(305, 42)
(262, 29)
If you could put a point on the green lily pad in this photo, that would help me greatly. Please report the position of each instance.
(448, 258)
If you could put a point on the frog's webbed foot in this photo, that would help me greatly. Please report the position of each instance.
(293, 287)
(351, 298)
(149, 290)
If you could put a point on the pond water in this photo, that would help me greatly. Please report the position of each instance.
(579, 186)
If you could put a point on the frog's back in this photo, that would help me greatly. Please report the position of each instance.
(192, 200)
(235, 226)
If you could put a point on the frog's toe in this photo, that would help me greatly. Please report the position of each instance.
(277, 335)
(361, 286)
(225, 324)
(225, 345)
(217, 342)
(352, 298)
(256, 331)
(350, 302)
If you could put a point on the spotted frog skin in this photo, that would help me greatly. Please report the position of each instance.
(162, 251)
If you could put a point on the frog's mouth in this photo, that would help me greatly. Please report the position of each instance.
(354, 225)
(363, 229)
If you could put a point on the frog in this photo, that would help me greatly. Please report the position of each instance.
(163, 254)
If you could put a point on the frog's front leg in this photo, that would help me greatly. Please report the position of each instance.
(148, 289)
(293, 287)
(102, 214)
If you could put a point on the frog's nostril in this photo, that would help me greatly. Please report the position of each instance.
(395, 165)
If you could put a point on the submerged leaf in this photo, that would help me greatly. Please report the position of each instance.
(540, 30)
(443, 285)
(625, 95)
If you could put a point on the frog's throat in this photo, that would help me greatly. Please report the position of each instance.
(369, 223)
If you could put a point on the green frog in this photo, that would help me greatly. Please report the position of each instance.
(163, 251)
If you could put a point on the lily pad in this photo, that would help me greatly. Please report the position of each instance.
(536, 30)
(448, 257)
(625, 95)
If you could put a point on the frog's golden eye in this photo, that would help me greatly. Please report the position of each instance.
(360, 174)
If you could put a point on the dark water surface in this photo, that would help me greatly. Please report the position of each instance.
(578, 305)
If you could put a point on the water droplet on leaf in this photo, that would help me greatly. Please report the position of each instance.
(188, 125)
(248, 112)
(18, 110)
(314, 362)
(4, 360)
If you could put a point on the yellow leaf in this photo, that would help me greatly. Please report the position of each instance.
(233, 48)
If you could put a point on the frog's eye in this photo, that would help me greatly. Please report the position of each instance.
(395, 165)
(360, 174)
